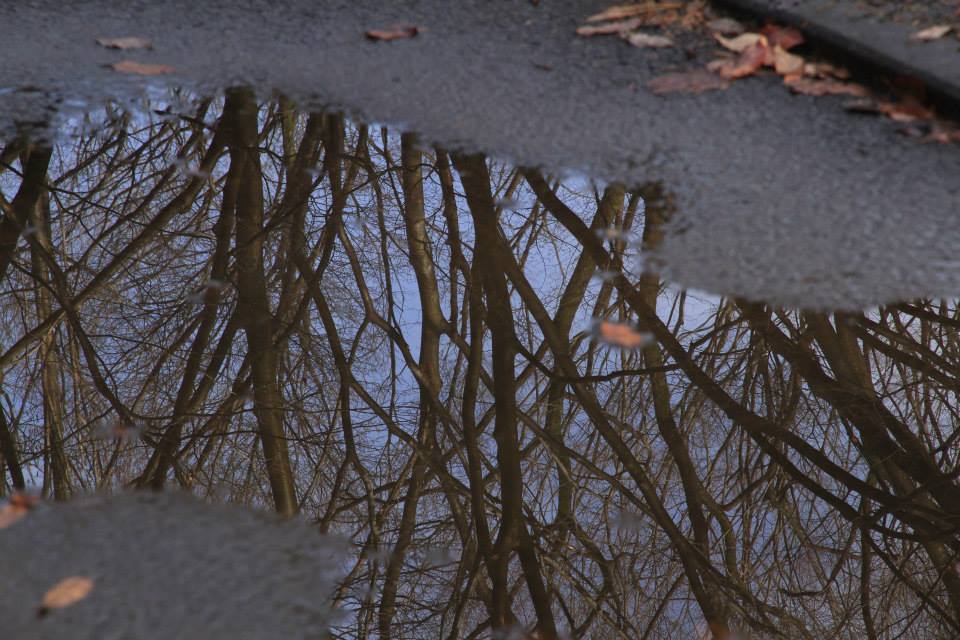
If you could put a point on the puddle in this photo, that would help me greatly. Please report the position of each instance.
(345, 321)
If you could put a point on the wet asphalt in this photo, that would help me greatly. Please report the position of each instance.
(782, 198)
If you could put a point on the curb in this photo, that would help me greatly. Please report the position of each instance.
(873, 47)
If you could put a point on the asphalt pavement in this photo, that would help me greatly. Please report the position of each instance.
(783, 198)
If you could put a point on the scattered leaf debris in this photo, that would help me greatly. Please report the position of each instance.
(932, 33)
(397, 32)
(125, 43)
(750, 52)
(696, 81)
(141, 68)
(16, 507)
(65, 593)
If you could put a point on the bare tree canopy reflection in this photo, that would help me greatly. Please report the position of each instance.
(461, 366)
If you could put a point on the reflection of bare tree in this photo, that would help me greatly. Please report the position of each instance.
(289, 310)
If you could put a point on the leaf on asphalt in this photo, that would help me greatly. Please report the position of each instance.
(726, 26)
(786, 37)
(131, 42)
(141, 69)
(825, 70)
(741, 42)
(942, 134)
(17, 507)
(648, 40)
(620, 11)
(786, 63)
(65, 593)
(696, 81)
(609, 28)
(814, 87)
(932, 33)
(398, 32)
(693, 15)
(746, 64)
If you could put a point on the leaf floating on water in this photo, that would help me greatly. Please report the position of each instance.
(648, 40)
(932, 33)
(125, 44)
(393, 33)
(620, 334)
(141, 69)
(65, 593)
(696, 81)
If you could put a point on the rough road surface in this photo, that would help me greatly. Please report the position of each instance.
(165, 565)
(782, 198)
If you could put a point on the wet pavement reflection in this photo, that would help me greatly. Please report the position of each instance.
(476, 373)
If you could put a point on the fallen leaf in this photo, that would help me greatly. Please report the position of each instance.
(786, 37)
(810, 87)
(932, 33)
(907, 110)
(741, 42)
(620, 11)
(620, 334)
(942, 134)
(786, 63)
(65, 593)
(726, 26)
(610, 28)
(824, 70)
(648, 40)
(697, 81)
(16, 507)
(393, 33)
(745, 64)
(126, 43)
(141, 69)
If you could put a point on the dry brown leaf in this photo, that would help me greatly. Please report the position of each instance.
(697, 81)
(141, 69)
(620, 334)
(741, 42)
(907, 110)
(810, 87)
(648, 40)
(398, 32)
(932, 33)
(786, 37)
(786, 63)
(130, 42)
(694, 15)
(17, 507)
(746, 64)
(65, 593)
(620, 11)
(726, 26)
(825, 70)
(943, 135)
(610, 28)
